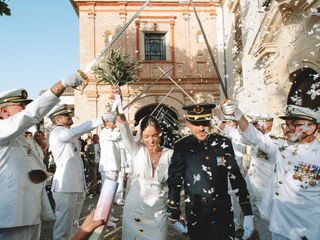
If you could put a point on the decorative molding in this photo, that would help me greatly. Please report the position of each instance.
(265, 50)
(266, 37)
(232, 5)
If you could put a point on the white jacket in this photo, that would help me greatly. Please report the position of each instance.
(295, 209)
(65, 147)
(110, 156)
(20, 201)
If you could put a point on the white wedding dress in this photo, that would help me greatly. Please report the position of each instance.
(144, 213)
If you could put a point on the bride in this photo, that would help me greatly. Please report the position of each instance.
(144, 213)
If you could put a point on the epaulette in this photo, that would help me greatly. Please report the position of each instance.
(220, 136)
(180, 139)
(275, 137)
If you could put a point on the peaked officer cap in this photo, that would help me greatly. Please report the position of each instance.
(199, 112)
(60, 109)
(16, 95)
(295, 112)
(260, 118)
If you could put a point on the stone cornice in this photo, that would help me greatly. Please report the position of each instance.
(264, 50)
(267, 33)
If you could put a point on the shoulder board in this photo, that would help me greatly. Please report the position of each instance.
(180, 139)
(275, 137)
(220, 136)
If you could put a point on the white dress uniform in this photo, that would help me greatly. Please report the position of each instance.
(68, 185)
(239, 150)
(144, 213)
(295, 206)
(20, 201)
(110, 158)
(259, 181)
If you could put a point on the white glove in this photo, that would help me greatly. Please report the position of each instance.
(109, 117)
(215, 121)
(248, 226)
(180, 227)
(231, 111)
(72, 80)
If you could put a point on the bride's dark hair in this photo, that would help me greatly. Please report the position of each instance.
(149, 121)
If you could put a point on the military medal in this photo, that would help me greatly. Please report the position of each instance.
(312, 182)
(296, 176)
(306, 173)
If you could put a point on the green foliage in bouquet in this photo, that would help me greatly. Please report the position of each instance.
(117, 69)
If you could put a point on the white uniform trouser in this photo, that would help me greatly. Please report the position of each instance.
(237, 211)
(119, 195)
(261, 224)
(68, 209)
(31, 232)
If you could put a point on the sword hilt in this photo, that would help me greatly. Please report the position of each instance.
(85, 81)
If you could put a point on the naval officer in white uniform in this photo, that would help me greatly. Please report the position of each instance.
(20, 202)
(68, 185)
(294, 206)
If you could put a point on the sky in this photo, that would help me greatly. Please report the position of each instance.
(39, 44)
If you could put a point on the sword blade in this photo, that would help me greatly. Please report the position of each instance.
(209, 50)
(162, 100)
(178, 86)
(91, 64)
(147, 89)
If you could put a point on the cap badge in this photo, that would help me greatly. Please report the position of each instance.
(24, 94)
(198, 109)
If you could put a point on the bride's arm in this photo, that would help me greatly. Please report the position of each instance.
(127, 137)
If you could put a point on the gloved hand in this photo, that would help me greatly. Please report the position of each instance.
(215, 121)
(73, 80)
(109, 117)
(182, 229)
(231, 111)
(248, 226)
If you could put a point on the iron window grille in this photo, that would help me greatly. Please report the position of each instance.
(154, 46)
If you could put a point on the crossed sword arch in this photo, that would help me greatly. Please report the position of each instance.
(161, 114)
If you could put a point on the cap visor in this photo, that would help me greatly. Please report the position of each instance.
(199, 122)
(293, 117)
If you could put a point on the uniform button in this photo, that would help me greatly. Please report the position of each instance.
(214, 209)
(206, 148)
(277, 193)
(204, 200)
(280, 182)
(207, 158)
(209, 168)
(210, 178)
